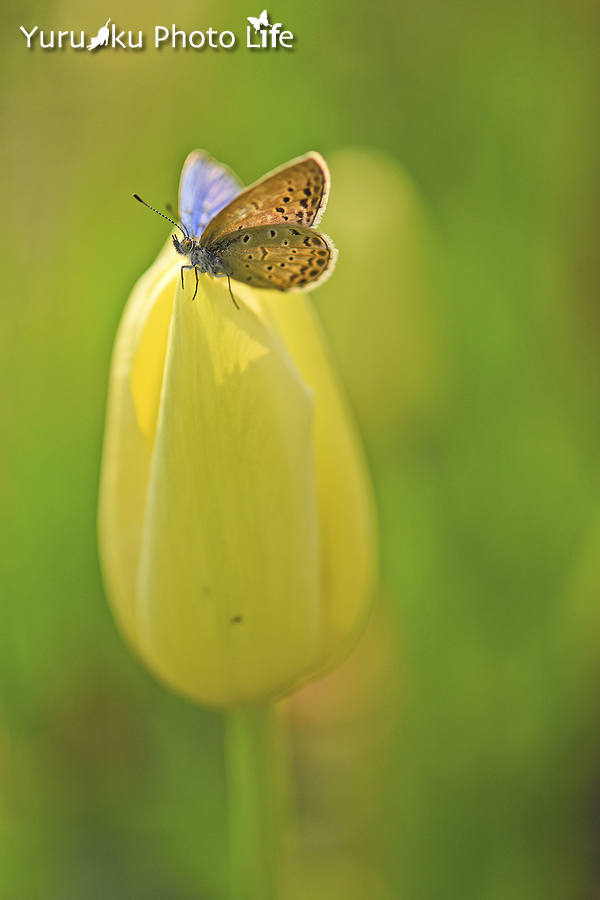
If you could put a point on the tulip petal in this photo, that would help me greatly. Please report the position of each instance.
(228, 586)
(344, 498)
(236, 520)
(127, 451)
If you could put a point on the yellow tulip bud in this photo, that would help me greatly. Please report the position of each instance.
(236, 524)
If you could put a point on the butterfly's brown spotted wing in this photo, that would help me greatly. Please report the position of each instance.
(265, 236)
(283, 257)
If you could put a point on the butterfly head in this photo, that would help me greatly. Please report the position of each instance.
(184, 246)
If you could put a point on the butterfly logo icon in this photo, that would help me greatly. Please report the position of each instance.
(265, 235)
(261, 22)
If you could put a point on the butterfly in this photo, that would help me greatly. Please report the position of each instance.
(263, 235)
(261, 22)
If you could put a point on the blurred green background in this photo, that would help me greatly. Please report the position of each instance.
(463, 140)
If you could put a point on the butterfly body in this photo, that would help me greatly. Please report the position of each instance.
(264, 235)
(205, 262)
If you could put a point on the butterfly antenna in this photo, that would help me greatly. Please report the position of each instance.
(172, 221)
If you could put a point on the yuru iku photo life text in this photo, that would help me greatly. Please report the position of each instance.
(109, 36)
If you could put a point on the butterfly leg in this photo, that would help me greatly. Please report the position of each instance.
(231, 292)
(182, 284)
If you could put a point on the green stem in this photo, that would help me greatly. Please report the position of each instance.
(252, 803)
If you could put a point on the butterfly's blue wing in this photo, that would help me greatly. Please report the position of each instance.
(206, 186)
